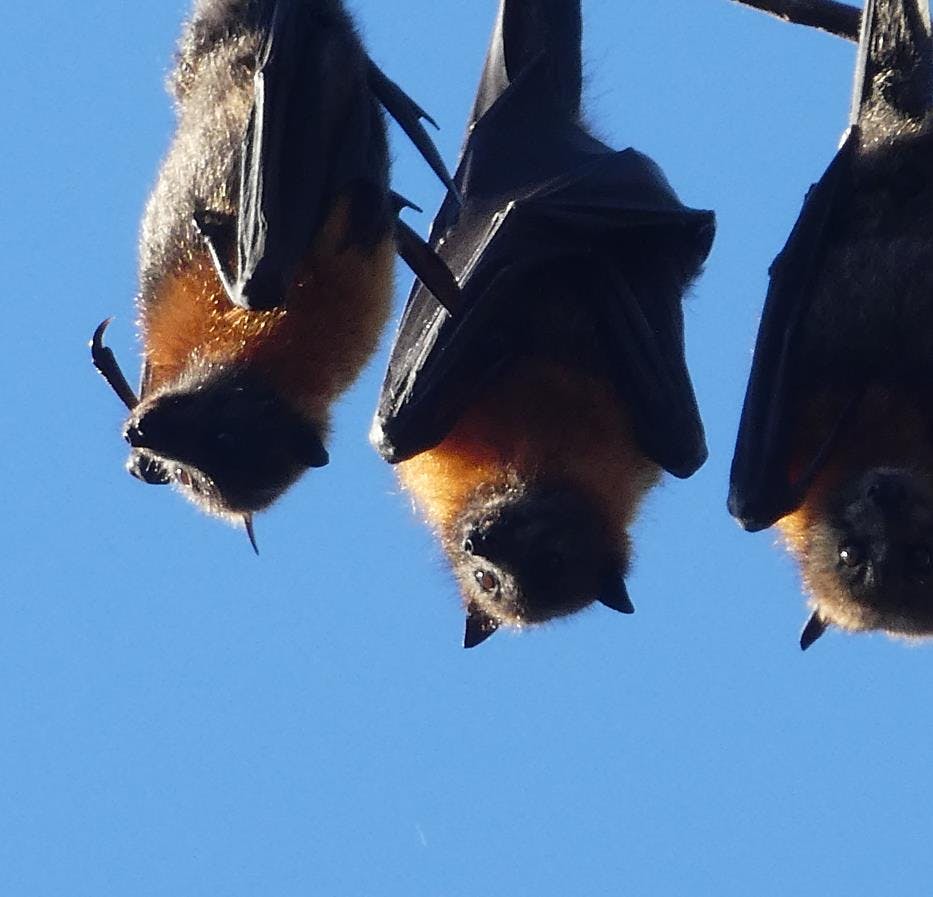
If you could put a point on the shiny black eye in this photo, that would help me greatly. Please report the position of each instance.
(851, 555)
(487, 581)
(920, 559)
(468, 546)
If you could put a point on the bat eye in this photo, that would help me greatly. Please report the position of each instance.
(487, 581)
(850, 555)
(468, 546)
(920, 559)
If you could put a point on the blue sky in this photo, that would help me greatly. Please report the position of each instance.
(182, 718)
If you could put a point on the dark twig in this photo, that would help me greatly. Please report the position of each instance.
(827, 15)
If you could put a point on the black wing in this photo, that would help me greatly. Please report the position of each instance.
(541, 193)
(761, 488)
(892, 89)
(314, 131)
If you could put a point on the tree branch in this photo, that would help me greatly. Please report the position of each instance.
(827, 15)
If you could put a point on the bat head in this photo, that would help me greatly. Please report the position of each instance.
(869, 563)
(225, 438)
(530, 555)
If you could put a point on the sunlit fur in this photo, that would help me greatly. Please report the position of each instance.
(869, 319)
(306, 353)
(310, 351)
(542, 429)
(894, 595)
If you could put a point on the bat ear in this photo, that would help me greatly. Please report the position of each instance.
(812, 631)
(250, 532)
(310, 449)
(479, 626)
(614, 595)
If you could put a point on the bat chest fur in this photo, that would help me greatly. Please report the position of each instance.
(310, 350)
(540, 421)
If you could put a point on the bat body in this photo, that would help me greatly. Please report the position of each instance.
(835, 439)
(267, 250)
(528, 422)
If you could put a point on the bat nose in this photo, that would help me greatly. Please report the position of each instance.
(134, 435)
(474, 542)
(479, 542)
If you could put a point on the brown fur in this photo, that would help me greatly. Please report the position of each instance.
(542, 421)
(234, 405)
(899, 439)
(311, 350)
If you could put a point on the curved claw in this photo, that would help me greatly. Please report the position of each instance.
(400, 202)
(409, 114)
(106, 363)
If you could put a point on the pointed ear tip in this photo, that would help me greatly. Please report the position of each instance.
(814, 628)
(473, 638)
(807, 639)
(479, 627)
(250, 532)
(617, 599)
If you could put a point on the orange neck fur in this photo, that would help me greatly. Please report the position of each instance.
(541, 421)
(311, 349)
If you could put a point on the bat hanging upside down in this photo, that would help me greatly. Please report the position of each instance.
(267, 251)
(529, 421)
(836, 439)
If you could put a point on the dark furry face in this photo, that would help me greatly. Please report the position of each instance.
(528, 556)
(875, 552)
(225, 439)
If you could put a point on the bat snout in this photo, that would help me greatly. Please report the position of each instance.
(135, 435)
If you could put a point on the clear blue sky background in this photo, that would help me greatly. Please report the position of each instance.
(181, 718)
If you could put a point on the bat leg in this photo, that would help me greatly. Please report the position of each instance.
(409, 114)
(428, 267)
(109, 368)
